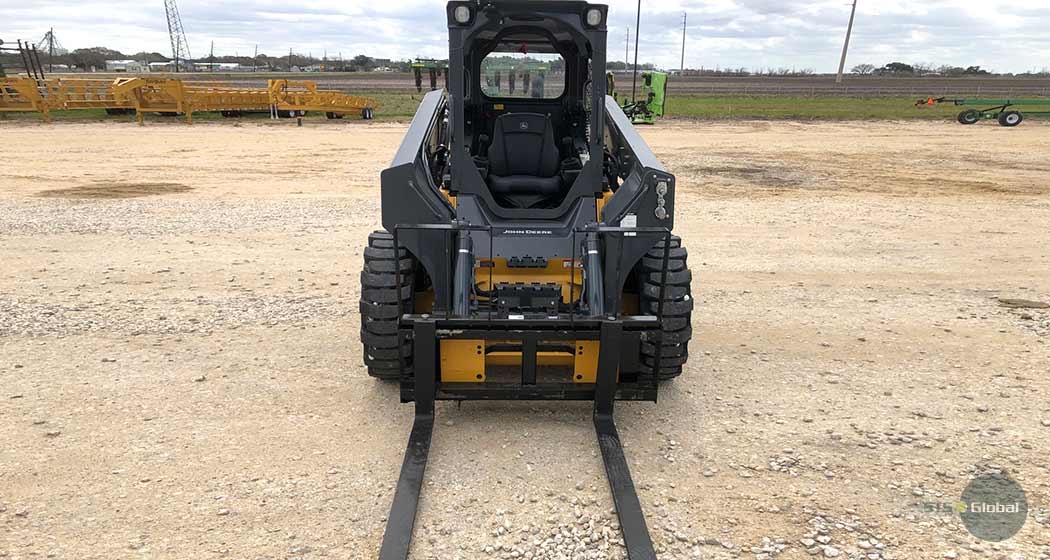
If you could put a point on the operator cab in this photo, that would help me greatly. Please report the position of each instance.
(527, 94)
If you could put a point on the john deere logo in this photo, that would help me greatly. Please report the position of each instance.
(994, 508)
(524, 125)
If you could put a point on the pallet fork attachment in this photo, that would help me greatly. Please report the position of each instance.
(397, 540)
(402, 519)
(427, 332)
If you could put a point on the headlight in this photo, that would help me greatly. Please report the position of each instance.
(462, 15)
(594, 17)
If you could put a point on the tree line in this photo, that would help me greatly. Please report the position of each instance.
(925, 69)
(96, 57)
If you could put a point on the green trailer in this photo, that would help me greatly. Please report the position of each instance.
(1001, 110)
(431, 67)
(651, 104)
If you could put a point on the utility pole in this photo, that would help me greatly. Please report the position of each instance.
(685, 21)
(845, 48)
(289, 60)
(255, 61)
(627, 50)
(637, 34)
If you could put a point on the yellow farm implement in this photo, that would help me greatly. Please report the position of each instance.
(170, 96)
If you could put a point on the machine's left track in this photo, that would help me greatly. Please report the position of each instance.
(384, 350)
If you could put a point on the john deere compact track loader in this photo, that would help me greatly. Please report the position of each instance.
(527, 251)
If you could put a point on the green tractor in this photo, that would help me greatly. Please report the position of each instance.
(651, 104)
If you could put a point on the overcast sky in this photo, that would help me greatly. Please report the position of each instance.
(722, 33)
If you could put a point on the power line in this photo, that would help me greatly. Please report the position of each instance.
(627, 51)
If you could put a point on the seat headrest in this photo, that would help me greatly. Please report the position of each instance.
(523, 123)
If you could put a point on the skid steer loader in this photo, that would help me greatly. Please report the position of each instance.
(527, 251)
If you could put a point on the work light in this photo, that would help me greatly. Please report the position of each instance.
(594, 17)
(462, 15)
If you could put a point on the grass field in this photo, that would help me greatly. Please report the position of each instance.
(401, 106)
(819, 108)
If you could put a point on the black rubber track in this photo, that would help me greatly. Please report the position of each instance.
(682, 336)
(676, 323)
(389, 354)
(678, 306)
(379, 327)
(373, 341)
(380, 293)
(378, 253)
(666, 361)
(384, 312)
(370, 280)
(653, 291)
(653, 263)
(682, 278)
(392, 373)
(387, 267)
(669, 351)
(673, 307)
(385, 295)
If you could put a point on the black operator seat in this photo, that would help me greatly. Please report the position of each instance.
(524, 161)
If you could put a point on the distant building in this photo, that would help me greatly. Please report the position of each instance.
(220, 67)
(129, 66)
(169, 66)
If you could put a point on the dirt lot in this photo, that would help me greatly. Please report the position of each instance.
(180, 377)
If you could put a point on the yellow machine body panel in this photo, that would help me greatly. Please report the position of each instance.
(601, 202)
(558, 271)
(543, 359)
(466, 361)
(463, 361)
(585, 369)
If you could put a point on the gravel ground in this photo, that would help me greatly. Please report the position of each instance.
(180, 377)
